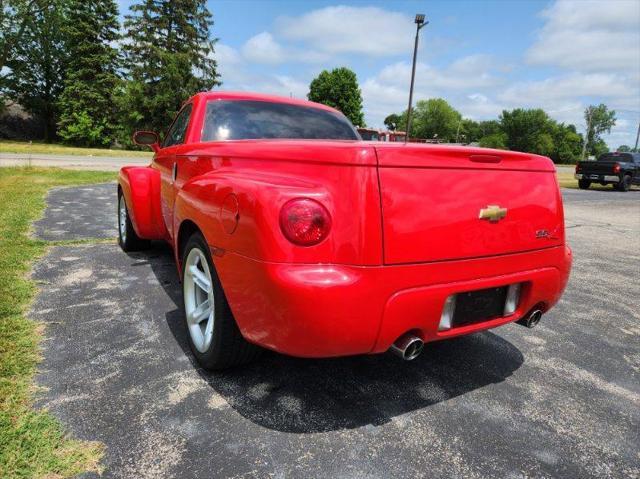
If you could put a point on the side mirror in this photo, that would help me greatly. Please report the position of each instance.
(147, 138)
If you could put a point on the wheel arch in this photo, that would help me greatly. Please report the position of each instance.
(185, 231)
(140, 187)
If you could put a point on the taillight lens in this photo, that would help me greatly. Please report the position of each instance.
(577, 168)
(304, 221)
(616, 168)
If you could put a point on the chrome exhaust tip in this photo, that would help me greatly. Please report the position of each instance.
(532, 320)
(408, 347)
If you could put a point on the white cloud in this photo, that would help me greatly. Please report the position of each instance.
(466, 72)
(230, 65)
(589, 36)
(262, 48)
(344, 29)
(478, 106)
(387, 91)
(282, 85)
(551, 91)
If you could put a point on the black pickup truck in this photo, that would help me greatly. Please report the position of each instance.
(618, 169)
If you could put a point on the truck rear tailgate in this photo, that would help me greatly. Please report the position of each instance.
(443, 203)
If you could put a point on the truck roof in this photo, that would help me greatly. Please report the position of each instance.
(251, 96)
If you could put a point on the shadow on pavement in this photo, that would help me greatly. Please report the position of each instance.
(317, 395)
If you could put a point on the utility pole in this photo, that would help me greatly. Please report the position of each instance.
(420, 22)
(586, 134)
(637, 137)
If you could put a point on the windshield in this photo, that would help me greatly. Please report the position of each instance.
(244, 120)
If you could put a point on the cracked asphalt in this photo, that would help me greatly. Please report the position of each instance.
(561, 400)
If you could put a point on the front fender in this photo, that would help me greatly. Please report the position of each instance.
(141, 189)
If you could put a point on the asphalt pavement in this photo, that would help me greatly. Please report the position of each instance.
(561, 400)
(87, 212)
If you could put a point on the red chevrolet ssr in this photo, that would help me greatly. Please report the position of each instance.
(293, 234)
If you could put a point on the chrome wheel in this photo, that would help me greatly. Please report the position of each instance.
(122, 219)
(198, 299)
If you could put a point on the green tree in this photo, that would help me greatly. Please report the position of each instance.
(600, 147)
(545, 145)
(87, 109)
(489, 127)
(624, 148)
(600, 120)
(435, 118)
(567, 143)
(494, 140)
(339, 89)
(524, 129)
(168, 58)
(469, 131)
(37, 65)
(15, 17)
(392, 121)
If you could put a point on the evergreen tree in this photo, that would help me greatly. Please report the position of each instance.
(168, 58)
(37, 66)
(87, 111)
(339, 89)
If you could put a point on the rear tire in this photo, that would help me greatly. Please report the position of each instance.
(127, 237)
(214, 337)
(584, 184)
(625, 183)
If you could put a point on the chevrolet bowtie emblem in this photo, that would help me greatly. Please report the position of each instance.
(493, 213)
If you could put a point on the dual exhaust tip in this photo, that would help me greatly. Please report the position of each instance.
(409, 347)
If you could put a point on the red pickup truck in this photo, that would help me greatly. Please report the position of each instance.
(293, 234)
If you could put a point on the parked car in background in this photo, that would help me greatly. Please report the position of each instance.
(373, 134)
(293, 234)
(619, 169)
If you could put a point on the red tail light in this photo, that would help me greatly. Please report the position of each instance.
(304, 221)
(616, 168)
(577, 168)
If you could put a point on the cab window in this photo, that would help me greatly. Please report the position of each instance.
(178, 130)
(251, 120)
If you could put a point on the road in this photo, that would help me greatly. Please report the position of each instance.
(105, 163)
(561, 400)
(72, 162)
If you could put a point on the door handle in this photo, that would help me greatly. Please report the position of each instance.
(174, 173)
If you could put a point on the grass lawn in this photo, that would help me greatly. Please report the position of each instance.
(567, 180)
(32, 442)
(23, 147)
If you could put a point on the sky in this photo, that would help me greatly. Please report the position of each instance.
(480, 56)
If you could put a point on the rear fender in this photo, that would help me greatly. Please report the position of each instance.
(238, 211)
(141, 189)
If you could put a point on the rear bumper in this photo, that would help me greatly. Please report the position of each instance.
(601, 178)
(336, 310)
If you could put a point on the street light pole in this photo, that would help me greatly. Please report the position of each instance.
(586, 135)
(420, 22)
